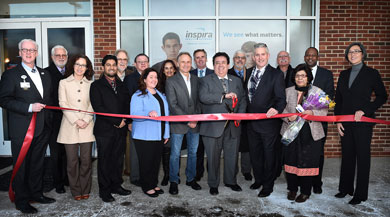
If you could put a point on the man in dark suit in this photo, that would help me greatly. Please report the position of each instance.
(23, 90)
(182, 96)
(323, 79)
(239, 70)
(109, 95)
(200, 59)
(266, 94)
(216, 93)
(283, 59)
(59, 55)
(131, 81)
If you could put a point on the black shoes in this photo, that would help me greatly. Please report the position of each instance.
(107, 198)
(342, 194)
(27, 208)
(165, 180)
(248, 176)
(291, 195)
(136, 183)
(255, 186)
(317, 190)
(121, 191)
(355, 201)
(159, 191)
(60, 190)
(173, 188)
(234, 187)
(302, 198)
(194, 185)
(264, 193)
(214, 191)
(44, 200)
(155, 194)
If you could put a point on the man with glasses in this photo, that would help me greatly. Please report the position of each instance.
(266, 93)
(59, 56)
(109, 95)
(239, 70)
(323, 79)
(141, 62)
(283, 59)
(25, 90)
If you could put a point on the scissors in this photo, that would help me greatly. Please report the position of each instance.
(231, 110)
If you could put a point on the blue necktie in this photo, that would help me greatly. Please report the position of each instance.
(201, 73)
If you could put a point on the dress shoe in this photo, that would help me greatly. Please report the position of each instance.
(154, 194)
(214, 191)
(121, 191)
(173, 188)
(264, 193)
(165, 180)
(234, 187)
(341, 195)
(44, 200)
(198, 178)
(27, 208)
(291, 195)
(136, 183)
(60, 190)
(355, 201)
(85, 196)
(302, 198)
(194, 185)
(255, 186)
(107, 198)
(77, 197)
(248, 176)
(317, 190)
(159, 191)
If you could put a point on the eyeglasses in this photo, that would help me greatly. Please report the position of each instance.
(80, 65)
(354, 51)
(24, 50)
(122, 59)
(300, 76)
(61, 55)
(142, 62)
(238, 57)
(282, 56)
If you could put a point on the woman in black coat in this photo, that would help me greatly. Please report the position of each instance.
(353, 97)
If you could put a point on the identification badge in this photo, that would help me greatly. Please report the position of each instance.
(299, 108)
(25, 85)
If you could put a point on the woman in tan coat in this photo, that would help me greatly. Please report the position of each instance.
(76, 130)
(302, 155)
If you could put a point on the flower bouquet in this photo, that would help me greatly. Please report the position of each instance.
(314, 101)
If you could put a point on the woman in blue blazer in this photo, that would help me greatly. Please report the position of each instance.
(149, 135)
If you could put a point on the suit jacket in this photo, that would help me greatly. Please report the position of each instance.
(75, 94)
(270, 93)
(358, 97)
(288, 79)
(324, 80)
(17, 101)
(316, 129)
(208, 71)
(131, 82)
(233, 72)
(104, 99)
(180, 103)
(56, 76)
(210, 95)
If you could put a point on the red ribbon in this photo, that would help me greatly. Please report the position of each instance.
(22, 154)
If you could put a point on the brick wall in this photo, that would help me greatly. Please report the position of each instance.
(368, 22)
(104, 27)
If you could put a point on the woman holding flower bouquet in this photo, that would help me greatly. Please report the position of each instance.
(302, 138)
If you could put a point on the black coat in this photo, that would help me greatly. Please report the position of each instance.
(288, 79)
(358, 97)
(17, 101)
(104, 99)
(324, 80)
(208, 71)
(131, 82)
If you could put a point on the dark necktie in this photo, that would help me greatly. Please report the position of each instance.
(33, 70)
(113, 85)
(254, 81)
(224, 84)
(201, 75)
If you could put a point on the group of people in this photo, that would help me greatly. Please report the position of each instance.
(137, 146)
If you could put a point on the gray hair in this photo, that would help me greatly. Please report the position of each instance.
(239, 52)
(183, 53)
(121, 50)
(53, 50)
(27, 40)
(261, 45)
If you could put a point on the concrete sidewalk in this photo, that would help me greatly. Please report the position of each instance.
(228, 203)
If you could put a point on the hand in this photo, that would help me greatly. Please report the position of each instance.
(358, 115)
(230, 95)
(153, 114)
(340, 129)
(130, 126)
(165, 141)
(123, 123)
(292, 118)
(308, 112)
(271, 112)
(37, 107)
(192, 124)
(81, 124)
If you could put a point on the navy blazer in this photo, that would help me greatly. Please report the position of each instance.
(56, 76)
(270, 93)
(17, 100)
(324, 80)
(208, 71)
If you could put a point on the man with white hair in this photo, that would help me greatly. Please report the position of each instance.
(59, 55)
(24, 90)
(283, 59)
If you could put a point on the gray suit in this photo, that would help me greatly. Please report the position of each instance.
(215, 135)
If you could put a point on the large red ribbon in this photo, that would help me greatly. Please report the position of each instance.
(180, 118)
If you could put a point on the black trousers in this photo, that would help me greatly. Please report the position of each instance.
(200, 159)
(110, 162)
(356, 153)
(57, 160)
(149, 157)
(262, 154)
(317, 180)
(27, 183)
(294, 181)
